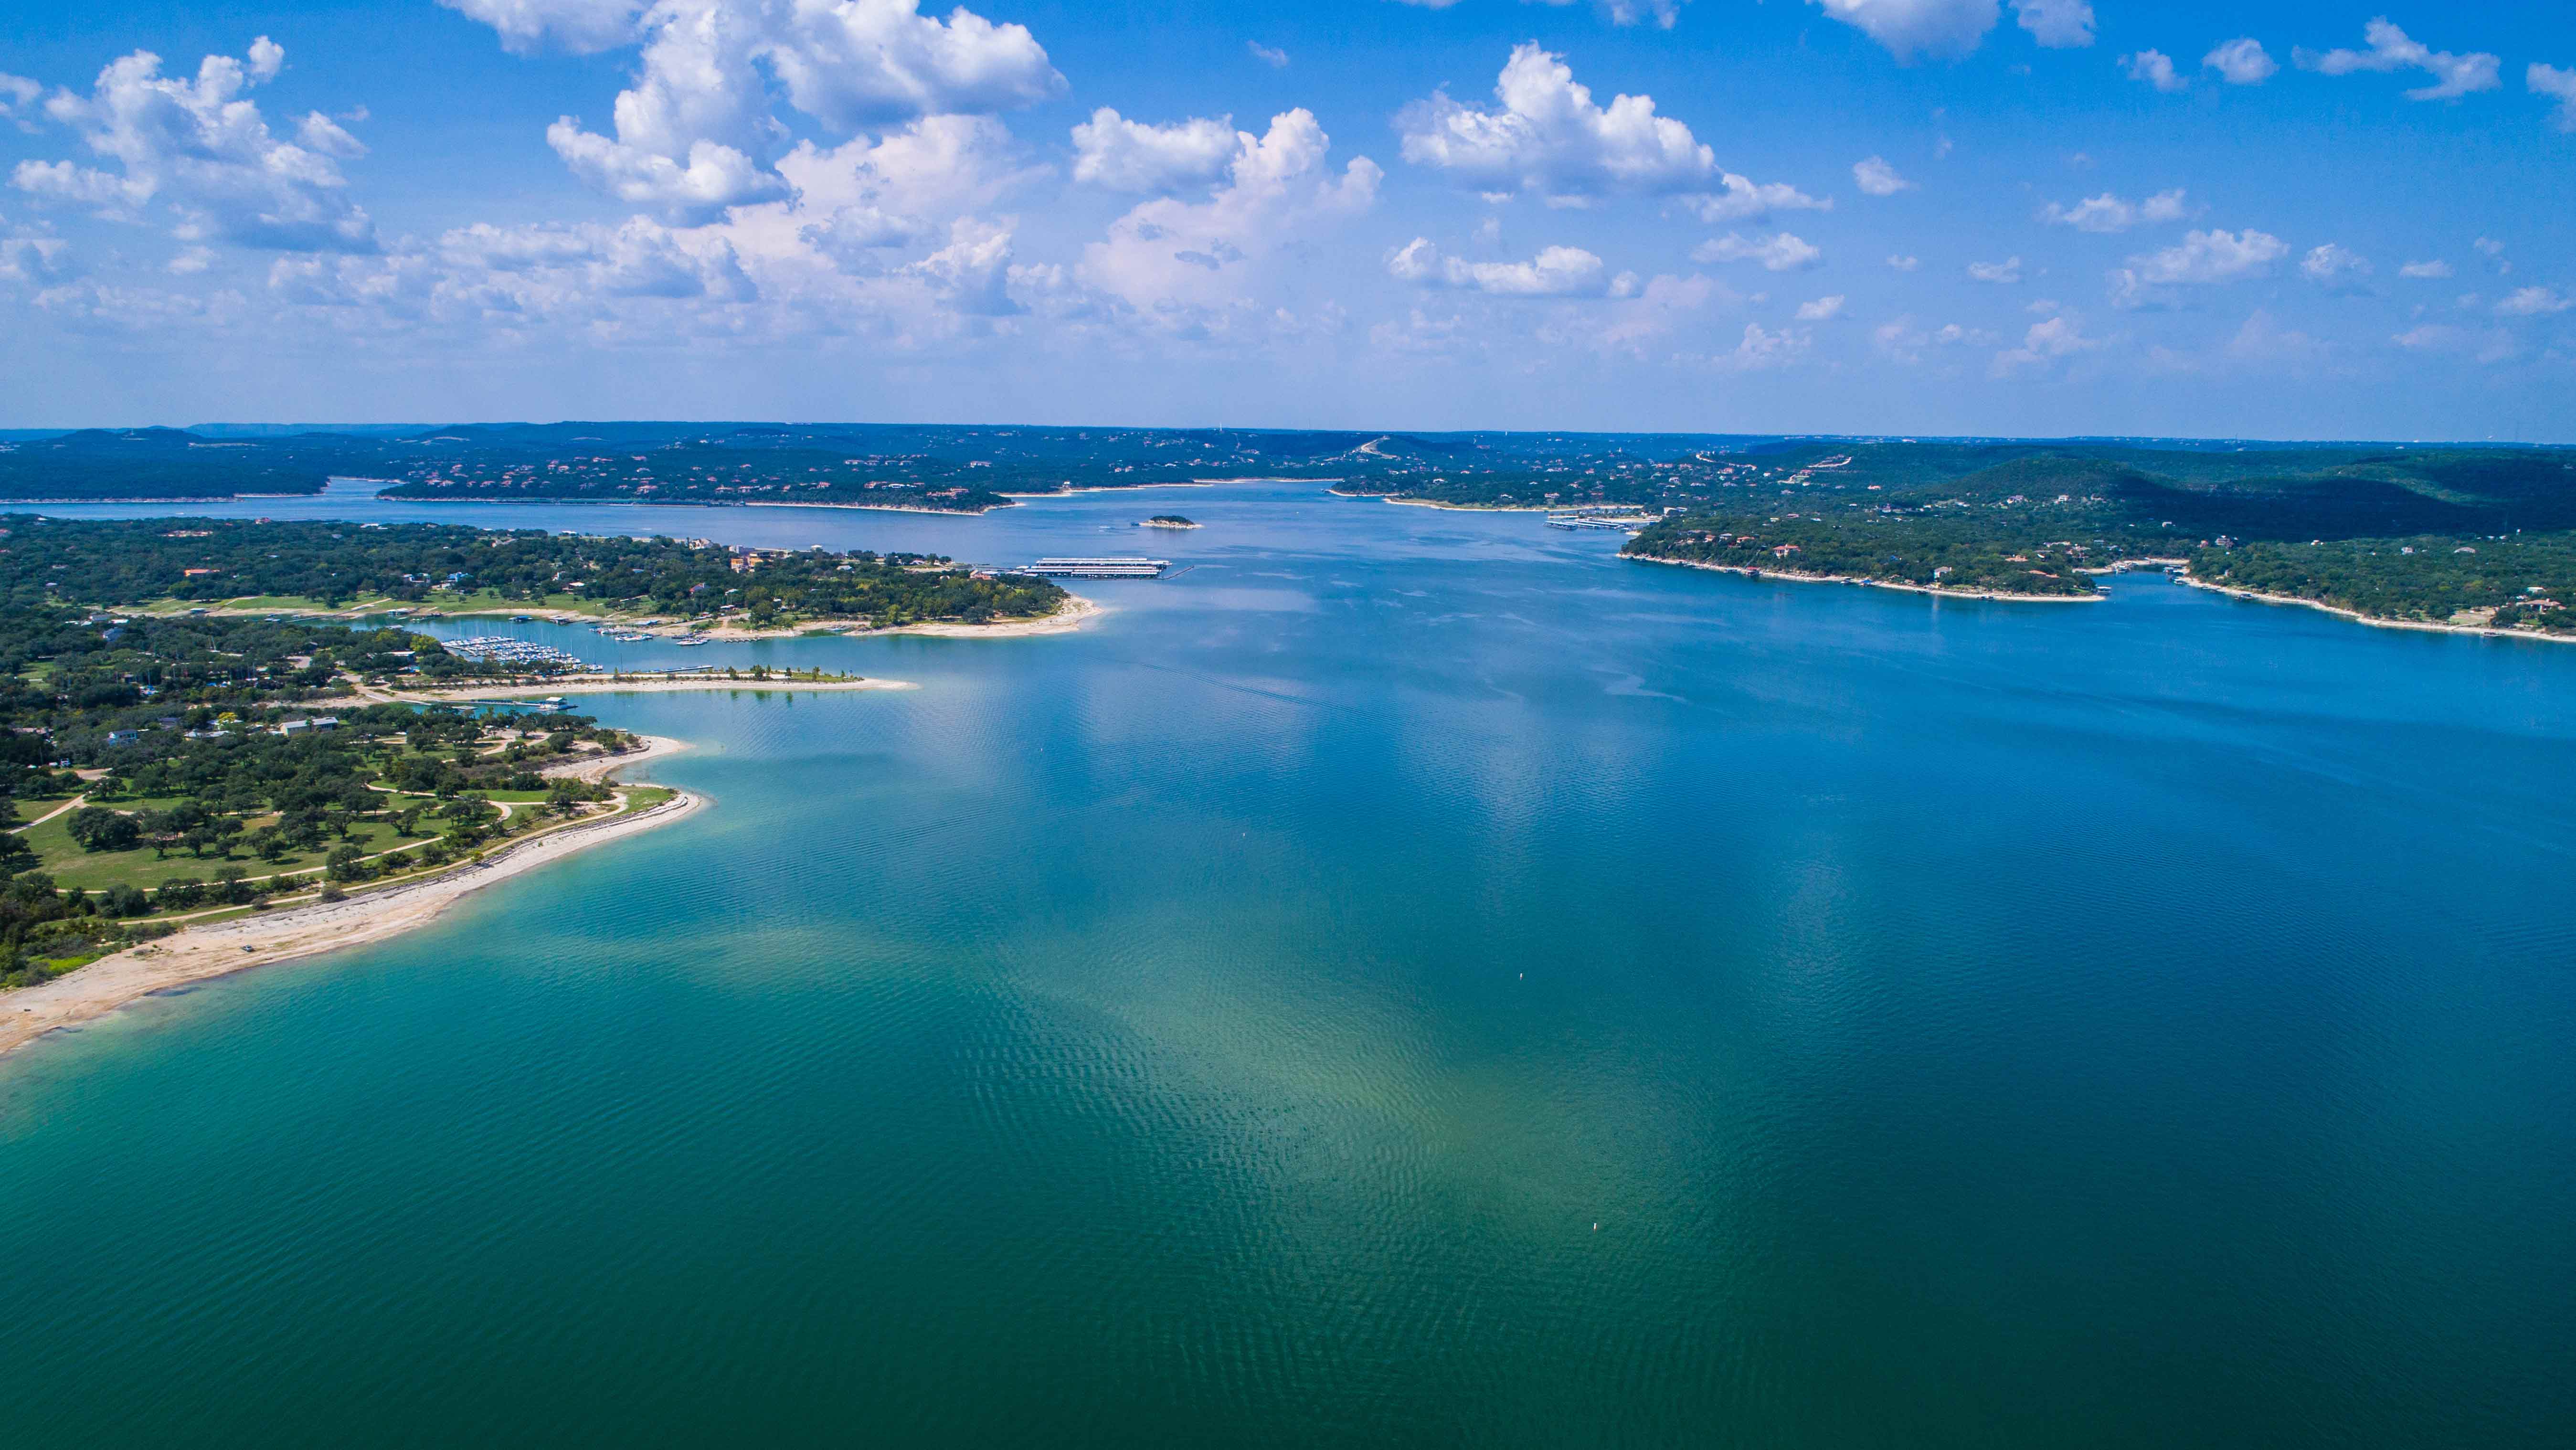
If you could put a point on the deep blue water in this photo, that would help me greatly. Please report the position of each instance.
(1412, 978)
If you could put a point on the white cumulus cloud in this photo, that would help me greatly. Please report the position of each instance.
(1545, 136)
(34, 259)
(2002, 273)
(2533, 302)
(2156, 69)
(1112, 151)
(1744, 200)
(2111, 213)
(1780, 253)
(1876, 178)
(2044, 344)
(1910, 28)
(2391, 49)
(581, 26)
(2336, 268)
(200, 147)
(2560, 85)
(697, 130)
(17, 97)
(2434, 270)
(1181, 266)
(2241, 62)
(2057, 24)
(2202, 259)
(1823, 309)
(1554, 272)
(708, 178)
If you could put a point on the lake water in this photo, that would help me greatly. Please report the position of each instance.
(1410, 979)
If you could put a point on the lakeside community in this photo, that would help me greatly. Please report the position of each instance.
(199, 780)
(218, 722)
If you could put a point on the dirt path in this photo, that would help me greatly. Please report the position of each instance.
(73, 804)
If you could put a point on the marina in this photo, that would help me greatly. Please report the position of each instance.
(1587, 519)
(1099, 568)
(502, 649)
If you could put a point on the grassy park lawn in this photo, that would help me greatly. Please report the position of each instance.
(481, 601)
(488, 601)
(278, 603)
(69, 865)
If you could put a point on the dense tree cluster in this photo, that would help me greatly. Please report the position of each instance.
(2518, 581)
(2389, 534)
(192, 760)
(167, 463)
(135, 562)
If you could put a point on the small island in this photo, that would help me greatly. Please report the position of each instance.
(1168, 521)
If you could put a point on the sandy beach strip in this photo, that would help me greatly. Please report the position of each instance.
(1751, 572)
(632, 685)
(2427, 626)
(1459, 508)
(1076, 610)
(198, 953)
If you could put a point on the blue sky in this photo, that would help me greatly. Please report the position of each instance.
(2030, 217)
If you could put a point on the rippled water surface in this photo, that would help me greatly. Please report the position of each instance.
(1409, 979)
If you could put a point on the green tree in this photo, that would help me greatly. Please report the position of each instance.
(97, 828)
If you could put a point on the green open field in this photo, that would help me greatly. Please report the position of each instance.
(63, 858)
(482, 601)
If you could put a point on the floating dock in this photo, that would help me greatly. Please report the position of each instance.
(1099, 568)
(503, 649)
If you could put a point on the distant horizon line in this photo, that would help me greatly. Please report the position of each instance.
(289, 429)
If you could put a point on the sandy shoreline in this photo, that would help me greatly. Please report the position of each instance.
(1750, 571)
(874, 508)
(1463, 508)
(2427, 626)
(1184, 483)
(605, 685)
(1064, 621)
(1076, 609)
(685, 503)
(2231, 591)
(200, 953)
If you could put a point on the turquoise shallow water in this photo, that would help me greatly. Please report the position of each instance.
(1410, 979)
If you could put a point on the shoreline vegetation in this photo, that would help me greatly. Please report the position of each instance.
(2427, 626)
(303, 927)
(171, 566)
(2178, 570)
(644, 684)
(1069, 615)
(1937, 591)
(235, 732)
